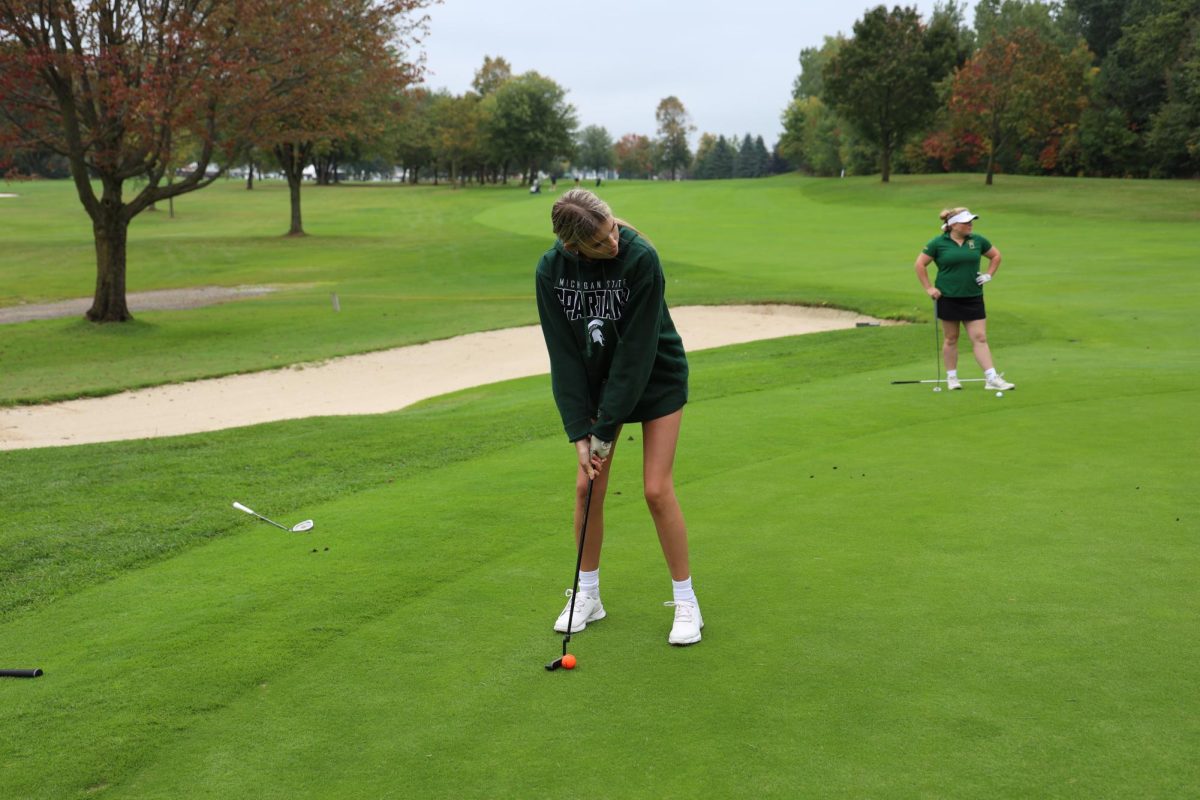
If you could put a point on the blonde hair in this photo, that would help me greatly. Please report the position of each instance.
(947, 213)
(579, 216)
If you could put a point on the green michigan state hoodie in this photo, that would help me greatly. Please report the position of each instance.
(615, 355)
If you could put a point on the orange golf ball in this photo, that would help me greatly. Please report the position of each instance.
(568, 661)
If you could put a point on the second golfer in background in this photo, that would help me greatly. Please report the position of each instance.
(615, 357)
(958, 291)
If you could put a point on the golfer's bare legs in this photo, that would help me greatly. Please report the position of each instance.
(658, 462)
(950, 343)
(977, 330)
(595, 519)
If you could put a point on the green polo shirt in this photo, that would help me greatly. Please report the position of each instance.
(957, 264)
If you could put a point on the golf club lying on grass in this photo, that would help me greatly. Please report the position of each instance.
(943, 380)
(20, 673)
(299, 527)
(567, 660)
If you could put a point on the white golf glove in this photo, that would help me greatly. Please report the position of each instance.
(598, 447)
(982, 278)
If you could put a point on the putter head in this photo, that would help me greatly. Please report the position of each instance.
(553, 665)
(300, 527)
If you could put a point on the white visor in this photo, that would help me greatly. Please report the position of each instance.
(962, 216)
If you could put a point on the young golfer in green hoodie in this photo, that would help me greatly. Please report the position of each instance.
(615, 357)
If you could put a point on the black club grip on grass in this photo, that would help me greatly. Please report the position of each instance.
(20, 673)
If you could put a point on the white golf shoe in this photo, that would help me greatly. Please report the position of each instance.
(998, 383)
(588, 608)
(953, 383)
(688, 622)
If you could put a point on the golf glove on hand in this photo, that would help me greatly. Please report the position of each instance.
(598, 447)
(982, 278)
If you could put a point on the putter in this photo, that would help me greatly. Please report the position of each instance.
(587, 505)
(20, 673)
(299, 527)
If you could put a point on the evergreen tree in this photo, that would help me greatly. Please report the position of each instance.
(763, 158)
(723, 158)
(747, 164)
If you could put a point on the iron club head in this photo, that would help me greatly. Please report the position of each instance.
(299, 527)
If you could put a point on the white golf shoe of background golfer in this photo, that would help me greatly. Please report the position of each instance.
(688, 622)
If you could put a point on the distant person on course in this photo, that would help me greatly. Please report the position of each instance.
(958, 291)
(615, 357)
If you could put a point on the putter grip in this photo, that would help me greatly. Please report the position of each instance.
(241, 507)
(20, 673)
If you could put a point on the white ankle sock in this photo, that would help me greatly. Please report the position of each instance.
(682, 590)
(951, 373)
(991, 373)
(589, 582)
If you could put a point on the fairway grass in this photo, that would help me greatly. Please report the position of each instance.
(907, 594)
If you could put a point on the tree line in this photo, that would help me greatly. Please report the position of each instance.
(522, 125)
(139, 103)
(1082, 87)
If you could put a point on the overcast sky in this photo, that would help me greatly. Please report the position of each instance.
(732, 64)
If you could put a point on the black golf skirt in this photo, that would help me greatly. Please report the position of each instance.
(961, 309)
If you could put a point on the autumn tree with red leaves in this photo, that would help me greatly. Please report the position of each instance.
(355, 68)
(121, 89)
(635, 156)
(113, 87)
(1018, 87)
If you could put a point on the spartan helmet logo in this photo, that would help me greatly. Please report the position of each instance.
(596, 331)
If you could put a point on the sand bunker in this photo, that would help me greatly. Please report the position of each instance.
(367, 384)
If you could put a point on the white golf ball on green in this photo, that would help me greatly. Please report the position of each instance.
(999, 394)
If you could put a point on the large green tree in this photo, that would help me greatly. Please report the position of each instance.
(530, 121)
(883, 79)
(1150, 74)
(595, 149)
(410, 131)
(493, 74)
(674, 125)
(812, 137)
(456, 126)
(813, 61)
(812, 131)
(1143, 118)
